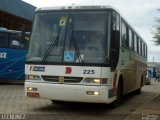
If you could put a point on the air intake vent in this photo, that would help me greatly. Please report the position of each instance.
(66, 79)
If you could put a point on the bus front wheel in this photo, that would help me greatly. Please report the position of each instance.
(57, 102)
(119, 96)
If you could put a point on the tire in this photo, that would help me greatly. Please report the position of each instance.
(118, 101)
(139, 91)
(56, 102)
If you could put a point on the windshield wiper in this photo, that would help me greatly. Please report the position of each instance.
(76, 47)
(53, 44)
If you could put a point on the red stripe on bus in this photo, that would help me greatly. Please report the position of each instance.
(115, 80)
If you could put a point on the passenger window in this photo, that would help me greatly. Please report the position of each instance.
(124, 35)
(130, 40)
(142, 48)
(3, 40)
(115, 21)
(140, 44)
(146, 51)
(133, 40)
(16, 41)
(135, 43)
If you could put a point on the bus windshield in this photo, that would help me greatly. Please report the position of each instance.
(70, 37)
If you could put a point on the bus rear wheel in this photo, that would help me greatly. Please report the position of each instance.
(138, 91)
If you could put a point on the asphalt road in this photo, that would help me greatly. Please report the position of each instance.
(13, 105)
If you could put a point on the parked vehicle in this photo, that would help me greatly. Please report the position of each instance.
(64, 63)
(13, 49)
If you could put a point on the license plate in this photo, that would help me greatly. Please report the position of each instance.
(31, 94)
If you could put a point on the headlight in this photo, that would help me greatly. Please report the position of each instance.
(33, 77)
(96, 81)
(32, 89)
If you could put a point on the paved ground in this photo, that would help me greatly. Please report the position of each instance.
(13, 105)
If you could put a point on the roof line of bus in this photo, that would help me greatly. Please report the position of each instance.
(76, 7)
(11, 31)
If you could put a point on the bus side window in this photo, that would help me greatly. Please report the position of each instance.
(15, 44)
(124, 35)
(3, 40)
(131, 45)
(135, 43)
(15, 41)
(115, 21)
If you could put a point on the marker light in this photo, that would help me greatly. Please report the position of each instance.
(33, 77)
(31, 89)
(95, 81)
(94, 93)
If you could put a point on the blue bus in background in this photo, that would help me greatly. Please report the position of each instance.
(13, 49)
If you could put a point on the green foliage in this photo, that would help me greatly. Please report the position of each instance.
(156, 32)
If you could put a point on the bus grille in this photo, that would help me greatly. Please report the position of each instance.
(66, 79)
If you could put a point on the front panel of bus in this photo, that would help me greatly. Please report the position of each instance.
(69, 56)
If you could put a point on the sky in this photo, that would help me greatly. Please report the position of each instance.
(140, 14)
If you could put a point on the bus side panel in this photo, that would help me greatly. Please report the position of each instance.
(12, 64)
(132, 70)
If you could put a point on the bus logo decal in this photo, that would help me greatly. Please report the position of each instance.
(37, 68)
(3, 55)
(61, 79)
(68, 70)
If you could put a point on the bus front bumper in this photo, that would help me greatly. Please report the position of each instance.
(65, 92)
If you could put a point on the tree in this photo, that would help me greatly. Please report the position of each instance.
(156, 32)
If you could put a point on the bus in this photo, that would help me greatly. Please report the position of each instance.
(84, 54)
(12, 54)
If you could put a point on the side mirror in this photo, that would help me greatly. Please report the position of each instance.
(115, 44)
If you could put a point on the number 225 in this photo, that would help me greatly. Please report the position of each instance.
(88, 71)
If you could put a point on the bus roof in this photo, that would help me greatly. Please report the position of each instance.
(9, 31)
(74, 7)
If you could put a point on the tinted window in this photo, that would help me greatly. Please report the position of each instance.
(3, 39)
(146, 51)
(16, 41)
(140, 46)
(124, 35)
(135, 43)
(130, 39)
(115, 21)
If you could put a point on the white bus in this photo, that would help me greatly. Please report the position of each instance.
(84, 54)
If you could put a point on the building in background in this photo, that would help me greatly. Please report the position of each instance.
(15, 14)
(153, 67)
